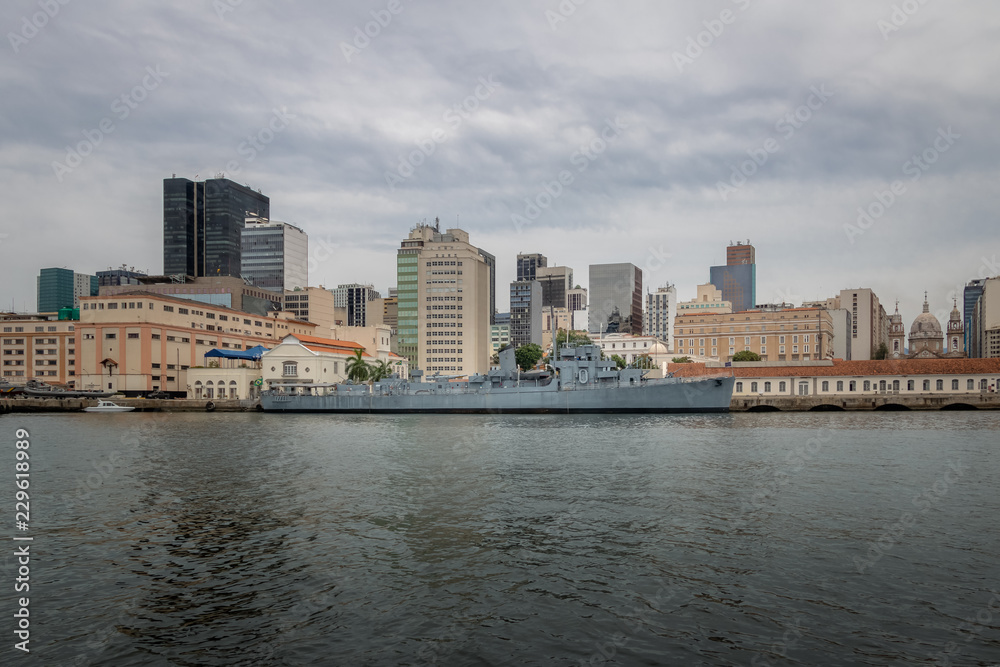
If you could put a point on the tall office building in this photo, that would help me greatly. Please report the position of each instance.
(971, 295)
(525, 312)
(274, 255)
(443, 291)
(987, 319)
(556, 283)
(738, 278)
(661, 311)
(203, 225)
(359, 306)
(62, 288)
(615, 295)
(528, 263)
(491, 262)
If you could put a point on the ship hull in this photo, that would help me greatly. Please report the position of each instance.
(710, 395)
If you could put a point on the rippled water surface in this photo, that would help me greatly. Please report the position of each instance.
(252, 539)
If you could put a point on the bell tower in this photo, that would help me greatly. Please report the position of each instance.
(955, 338)
(897, 335)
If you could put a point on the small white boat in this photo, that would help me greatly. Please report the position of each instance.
(108, 406)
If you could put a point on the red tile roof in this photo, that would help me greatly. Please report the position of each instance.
(852, 368)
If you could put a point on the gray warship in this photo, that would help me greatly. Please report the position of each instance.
(581, 382)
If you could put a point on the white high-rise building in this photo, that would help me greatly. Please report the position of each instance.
(275, 255)
(661, 309)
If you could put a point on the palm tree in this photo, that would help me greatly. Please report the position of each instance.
(357, 369)
(380, 370)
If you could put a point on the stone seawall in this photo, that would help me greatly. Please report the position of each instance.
(140, 404)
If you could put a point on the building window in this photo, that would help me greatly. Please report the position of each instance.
(895, 385)
(982, 385)
(767, 387)
(853, 386)
(970, 384)
(133, 336)
(753, 387)
(840, 385)
(867, 386)
(939, 385)
(954, 385)
(739, 387)
(781, 387)
(826, 385)
(909, 385)
(110, 336)
(927, 385)
(290, 369)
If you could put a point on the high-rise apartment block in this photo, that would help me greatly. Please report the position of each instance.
(615, 299)
(62, 288)
(203, 225)
(869, 321)
(443, 285)
(525, 312)
(123, 276)
(661, 311)
(274, 255)
(528, 264)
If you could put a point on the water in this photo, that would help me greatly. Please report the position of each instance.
(253, 539)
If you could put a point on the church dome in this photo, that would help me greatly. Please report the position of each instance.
(658, 348)
(926, 325)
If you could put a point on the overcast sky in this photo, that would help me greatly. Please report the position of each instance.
(649, 112)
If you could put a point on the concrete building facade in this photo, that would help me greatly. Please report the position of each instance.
(443, 285)
(661, 313)
(794, 334)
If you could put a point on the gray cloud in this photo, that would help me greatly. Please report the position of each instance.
(656, 184)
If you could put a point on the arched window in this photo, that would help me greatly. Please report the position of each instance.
(753, 387)
(781, 387)
(895, 385)
(940, 385)
(767, 386)
(198, 389)
(954, 385)
(853, 386)
(826, 385)
(927, 385)
(739, 387)
(867, 386)
(881, 385)
(909, 385)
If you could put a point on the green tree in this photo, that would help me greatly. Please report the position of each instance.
(618, 361)
(357, 369)
(528, 355)
(495, 359)
(746, 355)
(882, 352)
(681, 360)
(575, 338)
(380, 370)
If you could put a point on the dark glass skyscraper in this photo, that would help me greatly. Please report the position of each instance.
(973, 291)
(615, 294)
(203, 225)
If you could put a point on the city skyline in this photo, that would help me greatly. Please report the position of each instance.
(864, 160)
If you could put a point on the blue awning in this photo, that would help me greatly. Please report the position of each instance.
(253, 354)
